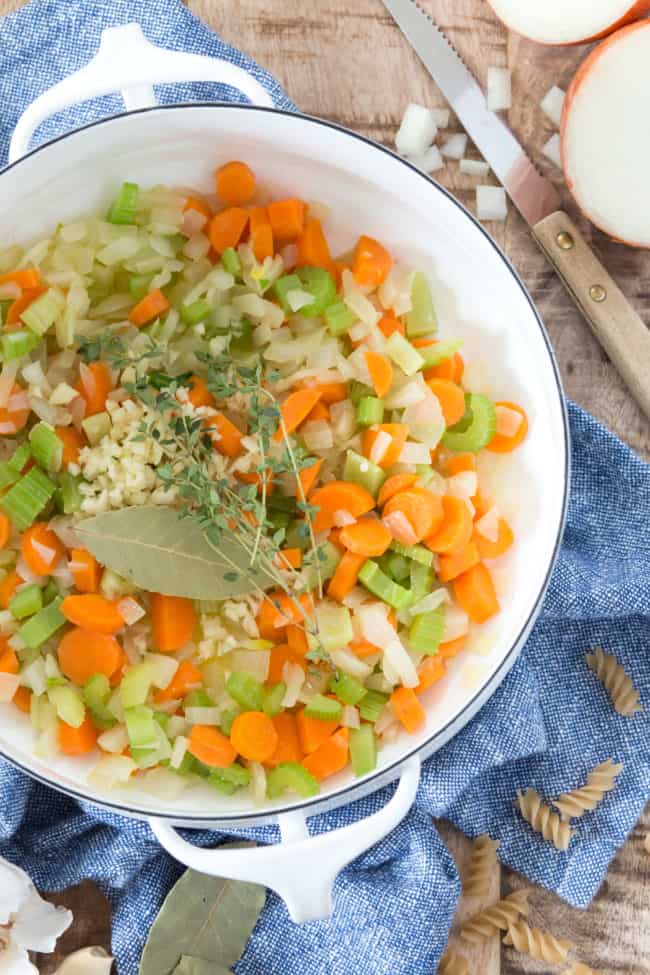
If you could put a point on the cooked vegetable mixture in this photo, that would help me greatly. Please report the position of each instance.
(241, 527)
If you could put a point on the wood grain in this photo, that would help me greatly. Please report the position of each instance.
(347, 61)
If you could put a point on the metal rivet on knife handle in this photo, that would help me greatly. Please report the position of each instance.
(564, 240)
(597, 292)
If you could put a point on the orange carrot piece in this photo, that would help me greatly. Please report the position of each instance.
(210, 746)
(94, 385)
(287, 218)
(330, 757)
(398, 432)
(451, 398)
(458, 463)
(23, 699)
(431, 669)
(9, 663)
(86, 570)
(368, 537)
(5, 529)
(297, 640)
(455, 529)
(296, 407)
(187, 678)
(173, 620)
(451, 369)
(407, 708)
(227, 228)
(372, 262)
(29, 277)
(389, 324)
(345, 576)
(288, 746)
(312, 732)
(279, 657)
(8, 588)
(450, 649)
(393, 485)
(308, 476)
(226, 437)
(235, 183)
(339, 496)
(362, 648)
(319, 412)
(93, 612)
(41, 548)
(474, 591)
(313, 250)
(253, 736)
(451, 566)
(422, 509)
(501, 443)
(13, 420)
(381, 371)
(331, 392)
(199, 394)
(73, 440)
(267, 617)
(150, 307)
(260, 233)
(290, 558)
(84, 652)
(77, 741)
(196, 203)
(492, 550)
(17, 307)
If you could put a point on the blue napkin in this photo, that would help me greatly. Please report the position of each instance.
(546, 726)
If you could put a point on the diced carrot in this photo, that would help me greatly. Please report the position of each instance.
(345, 576)
(451, 566)
(29, 277)
(339, 496)
(312, 732)
(94, 385)
(226, 437)
(73, 440)
(5, 529)
(83, 652)
(41, 548)
(86, 570)
(253, 736)
(287, 218)
(11, 419)
(372, 262)
(339, 268)
(297, 640)
(492, 550)
(422, 509)
(503, 442)
(393, 485)
(431, 669)
(267, 617)
(235, 183)
(9, 663)
(93, 612)
(288, 746)
(334, 536)
(330, 757)
(279, 657)
(17, 307)
(451, 398)
(196, 203)
(296, 407)
(333, 392)
(318, 412)
(8, 588)
(423, 342)
(407, 708)
(450, 649)
(474, 591)
(278, 610)
(151, 306)
(389, 324)
(227, 228)
(455, 529)
(173, 620)
(199, 394)
(77, 741)
(186, 678)
(308, 476)
(398, 432)
(368, 537)
(290, 558)
(210, 746)
(23, 699)
(381, 372)
(313, 250)
(458, 463)
(260, 233)
(254, 477)
(451, 369)
(362, 648)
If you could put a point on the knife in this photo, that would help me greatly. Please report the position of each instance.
(611, 317)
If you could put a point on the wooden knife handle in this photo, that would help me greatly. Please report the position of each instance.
(613, 320)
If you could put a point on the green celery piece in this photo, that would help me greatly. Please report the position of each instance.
(139, 285)
(328, 559)
(403, 354)
(282, 286)
(161, 718)
(69, 706)
(8, 475)
(135, 684)
(96, 692)
(195, 313)
(397, 567)
(372, 705)
(338, 318)
(434, 354)
(360, 470)
(479, 432)
(46, 447)
(323, 709)
(245, 690)
(422, 577)
(363, 750)
(18, 343)
(379, 584)
(347, 689)
(334, 626)
(241, 341)
(424, 473)
(140, 727)
(466, 419)
(359, 390)
(44, 311)
(26, 499)
(273, 699)
(43, 625)
(198, 699)
(231, 262)
(421, 320)
(227, 720)
(26, 602)
(122, 210)
(370, 410)
(426, 631)
(321, 285)
(96, 427)
(20, 457)
(292, 776)
(50, 592)
(416, 552)
(68, 496)
(228, 780)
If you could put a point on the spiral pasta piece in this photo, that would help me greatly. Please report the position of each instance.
(499, 917)
(601, 779)
(481, 866)
(579, 968)
(539, 944)
(453, 963)
(543, 820)
(616, 681)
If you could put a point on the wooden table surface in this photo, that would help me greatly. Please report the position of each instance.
(346, 60)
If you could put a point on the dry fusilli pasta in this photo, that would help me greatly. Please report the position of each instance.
(539, 944)
(543, 820)
(600, 780)
(452, 963)
(579, 968)
(619, 686)
(499, 917)
(481, 866)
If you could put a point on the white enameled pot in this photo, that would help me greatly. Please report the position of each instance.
(478, 297)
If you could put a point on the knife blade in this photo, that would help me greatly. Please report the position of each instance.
(533, 195)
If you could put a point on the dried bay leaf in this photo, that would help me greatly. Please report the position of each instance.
(190, 965)
(204, 919)
(157, 550)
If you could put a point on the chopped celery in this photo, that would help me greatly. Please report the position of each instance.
(122, 210)
(379, 584)
(436, 353)
(370, 410)
(422, 577)
(359, 390)
(196, 312)
(273, 699)
(338, 318)
(26, 602)
(360, 470)
(245, 690)
(241, 341)
(139, 285)
(227, 720)
(46, 447)
(141, 727)
(50, 592)
(347, 689)
(481, 429)
(282, 287)
(427, 630)
(96, 427)
(320, 283)
(416, 552)
(8, 475)
(161, 718)
(42, 313)
(328, 558)
(231, 262)
(397, 567)
(421, 320)
(363, 749)
(228, 780)
(26, 499)
(43, 624)
(135, 684)
(334, 626)
(18, 343)
(20, 457)
(292, 776)
(68, 496)
(96, 692)
(69, 706)
(323, 709)
(404, 354)
(113, 585)
(372, 705)
(198, 699)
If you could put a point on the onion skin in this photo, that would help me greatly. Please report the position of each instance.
(635, 11)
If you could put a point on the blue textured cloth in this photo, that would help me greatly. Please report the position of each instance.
(546, 726)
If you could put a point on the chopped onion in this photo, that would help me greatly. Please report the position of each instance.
(456, 623)
(33, 676)
(208, 716)
(131, 611)
(463, 484)
(383, 440)
(430, 161)
(455, 146)
(415, 453)
(417, 130)
(7, 380)
(197, 246)
(111, 771)
(552, 151)
(178, 751)
(441, 117)
(317, 435)
(343, 518)
(163, 784)
(385, 720)
(552, 104)
(8, 687)
(350, 664)
(115, 740)
(254, 662)
(63, 575)
(378, 631)
(508, 421)
(258, 782)
(425, 419)
(499, 89)
(350, 717)
(358, 303)
(63, 394)
(400, 528)
(193, 222)
(430, 602)
(27, 575)
(297, 299)
(488, 524)
(359, 331)
(491, 203)
(293, 676)
(289, 255)
(474, 167)
(343, 419)
(176, 725)
(163, 668)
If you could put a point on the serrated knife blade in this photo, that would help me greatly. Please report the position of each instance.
(534, 196)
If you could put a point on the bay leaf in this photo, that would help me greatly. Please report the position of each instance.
(190, 965)
(202, 917)
(157, 550)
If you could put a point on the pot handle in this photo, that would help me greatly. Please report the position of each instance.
(301, 868)
(127, 61)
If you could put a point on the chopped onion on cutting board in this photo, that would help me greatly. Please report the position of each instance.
(474, 167)
(551, 150)
(429, 161)
(455, 146)
(491, 203)
(416, 132)
(567, 21)
(441, 117)
(499, 89)
(552, 104)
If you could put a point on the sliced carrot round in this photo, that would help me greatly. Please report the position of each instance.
(408, 709)
(393, 485)
(368, 537)
(8, 588)
(15, 414)
(86, 570)
(210, 746)
(475, 592)
(73, 440)
(93, 612)
(489, 549)
(77, 741)
(253, 736)
(339, 496)
(345, 576)
(455, 529)
(94, 386)
(450, 649)
(199, 394)
(83, 653)
(451, 398)
(372, 262)
(422, 509)
(451, 368)
(235, 183)
(381, 372)
(41, 548)
(431, 670)
(398, 433)
(330, 757)
(5, 529)
(296, 408)
(173, 620)
(503, 442)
